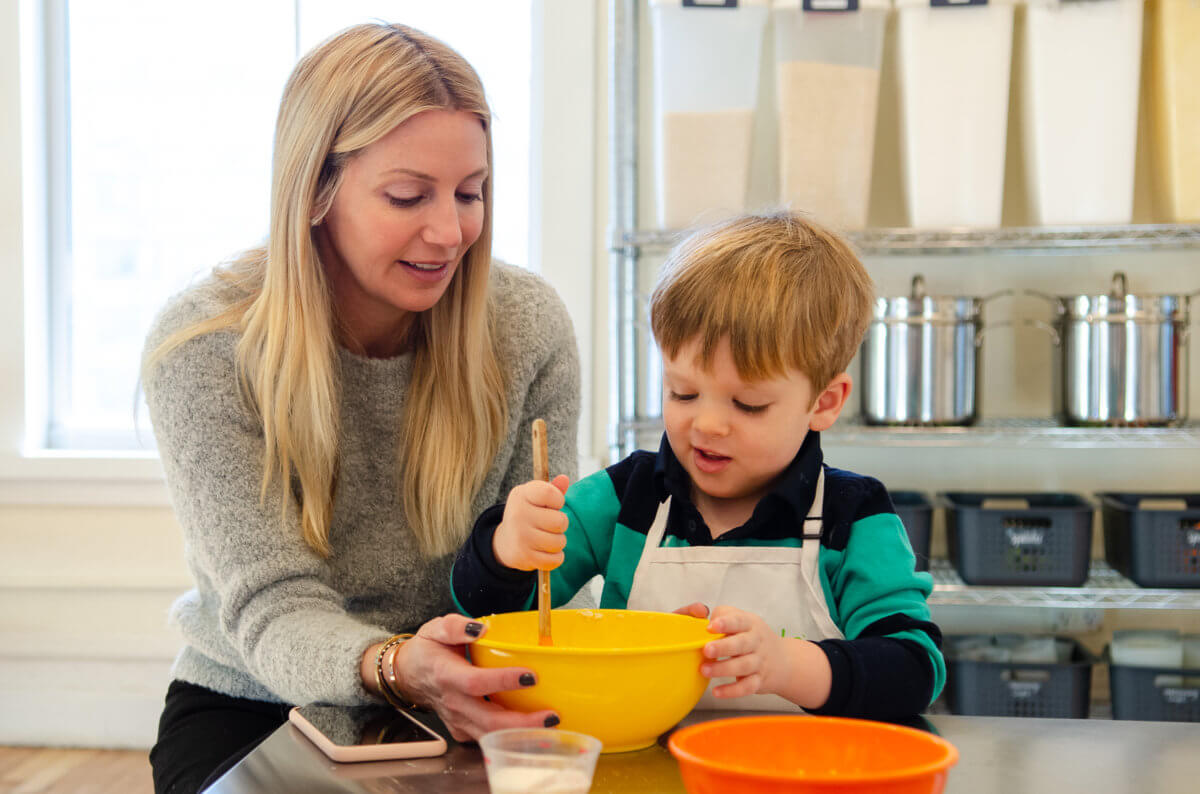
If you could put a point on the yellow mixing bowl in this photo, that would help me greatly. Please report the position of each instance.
(621, 675)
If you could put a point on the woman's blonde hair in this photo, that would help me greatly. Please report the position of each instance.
(343, 96)
(786, 293)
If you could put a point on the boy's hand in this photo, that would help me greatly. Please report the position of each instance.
(750, 652)
(763, 661)
(531, 533)
(694, 609)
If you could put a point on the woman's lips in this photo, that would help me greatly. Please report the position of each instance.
(709, 462)
(427, 271)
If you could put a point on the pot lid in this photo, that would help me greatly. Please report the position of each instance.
(1119, 306)
(922, 308)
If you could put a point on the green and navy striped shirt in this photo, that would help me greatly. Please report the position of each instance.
(889, 665)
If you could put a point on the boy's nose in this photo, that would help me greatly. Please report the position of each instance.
(711, 423)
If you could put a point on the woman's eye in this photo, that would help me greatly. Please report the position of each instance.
(750, 409)
(468, 198)
(681, 397)
(398, 201)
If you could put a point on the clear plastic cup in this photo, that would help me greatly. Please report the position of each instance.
(1173, 96)
(827, 58)
(1079, 96)
(706, 70)
(955, 58)
(539, 760)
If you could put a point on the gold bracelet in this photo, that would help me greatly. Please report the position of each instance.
(387, 683)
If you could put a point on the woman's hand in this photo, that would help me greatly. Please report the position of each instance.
(761, 661)
(531, 535)
(433, 671)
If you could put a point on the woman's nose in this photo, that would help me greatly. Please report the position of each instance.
(443, 226)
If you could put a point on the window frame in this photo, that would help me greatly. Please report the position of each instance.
(563, 193)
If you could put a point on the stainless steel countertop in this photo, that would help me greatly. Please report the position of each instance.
(996, 754)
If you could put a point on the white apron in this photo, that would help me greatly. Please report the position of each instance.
(780, 584)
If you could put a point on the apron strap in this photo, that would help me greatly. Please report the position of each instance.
(810, 548)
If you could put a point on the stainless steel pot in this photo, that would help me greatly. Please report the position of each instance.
(920, 359)
(1121, 359)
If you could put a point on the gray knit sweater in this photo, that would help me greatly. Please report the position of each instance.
(268, 618)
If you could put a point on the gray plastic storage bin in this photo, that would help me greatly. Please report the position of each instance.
(1153, 693)
(916, 513)
(1154, 547)
(1021, 689)
(993, 541)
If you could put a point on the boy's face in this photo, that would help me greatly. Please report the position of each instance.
(733, 437)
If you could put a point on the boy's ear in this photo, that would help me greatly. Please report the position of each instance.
(829, 403)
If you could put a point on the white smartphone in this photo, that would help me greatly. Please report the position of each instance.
(366, 733)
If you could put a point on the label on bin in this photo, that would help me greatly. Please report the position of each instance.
(1180, 697)
(829, 5)
(1025, 536)
(949, 3)
(710, 3)
(1023, 690)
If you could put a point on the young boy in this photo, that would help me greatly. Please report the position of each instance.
(807, 568)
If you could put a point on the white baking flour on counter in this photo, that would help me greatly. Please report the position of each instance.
(827, 139)
(705, 164)
(537, 780)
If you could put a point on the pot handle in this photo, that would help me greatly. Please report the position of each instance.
(1047, 327)
(1002, 293)
(917, 289)
(1118, 289)
(979, 334)
(1054, 300)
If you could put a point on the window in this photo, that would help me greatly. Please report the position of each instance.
(99, 459)
(163, 169)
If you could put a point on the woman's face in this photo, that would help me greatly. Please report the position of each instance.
(408, 208)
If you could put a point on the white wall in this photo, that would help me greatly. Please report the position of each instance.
(84, 646)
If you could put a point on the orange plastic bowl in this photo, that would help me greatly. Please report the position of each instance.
(789, 754)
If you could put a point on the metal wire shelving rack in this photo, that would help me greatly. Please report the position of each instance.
(1105, 588)
(635, 422)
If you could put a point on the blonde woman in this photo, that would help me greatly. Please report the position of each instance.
(334, 409)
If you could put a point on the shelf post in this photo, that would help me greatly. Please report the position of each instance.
(623, 213)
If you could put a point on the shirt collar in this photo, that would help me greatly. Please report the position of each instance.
(795, 488)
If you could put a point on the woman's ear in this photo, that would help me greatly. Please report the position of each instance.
(829, 403)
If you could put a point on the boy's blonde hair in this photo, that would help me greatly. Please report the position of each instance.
(786, 292)
(343, 96)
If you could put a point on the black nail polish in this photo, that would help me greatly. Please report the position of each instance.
(527, 679)
(474, 629)
(551, 721)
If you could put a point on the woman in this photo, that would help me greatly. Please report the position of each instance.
(334, 409)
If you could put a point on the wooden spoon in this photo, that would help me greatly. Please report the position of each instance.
(541, 471)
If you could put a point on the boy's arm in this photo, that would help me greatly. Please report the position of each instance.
(890, 664)
(482, 585)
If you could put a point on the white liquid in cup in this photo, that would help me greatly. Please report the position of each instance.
(537, 780)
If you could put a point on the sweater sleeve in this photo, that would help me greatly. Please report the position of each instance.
(275, 617)
(536, 318)
(890, 664)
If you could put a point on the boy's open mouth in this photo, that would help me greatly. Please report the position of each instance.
(709, 462)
